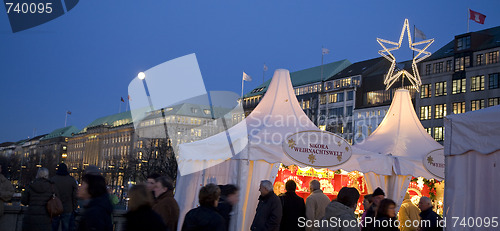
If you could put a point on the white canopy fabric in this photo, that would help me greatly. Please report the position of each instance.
(252, 150)
(472, 151)
(402, 144)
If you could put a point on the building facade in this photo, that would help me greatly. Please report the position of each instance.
(461, 76)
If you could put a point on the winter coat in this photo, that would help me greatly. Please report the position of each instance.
(315, 206)
(66, 186)
(144, 218)
(6, 192)
(408, 212)
(97, 215)
(225, 208)
(203, 218)
(293, 208)
(339, 214)
(168, 209)
(268, 214)
(385, 224)
(36, 196)
(431, 220)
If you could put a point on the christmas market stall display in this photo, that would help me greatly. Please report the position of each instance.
(472, 150)
(331, 181)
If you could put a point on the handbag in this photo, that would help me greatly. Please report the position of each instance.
(54, 205)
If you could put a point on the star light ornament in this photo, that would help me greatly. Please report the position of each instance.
(391, 77)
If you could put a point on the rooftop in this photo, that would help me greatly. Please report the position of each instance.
(62, 132)
(307, 76)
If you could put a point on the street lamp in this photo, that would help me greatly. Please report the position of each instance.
(141, 75)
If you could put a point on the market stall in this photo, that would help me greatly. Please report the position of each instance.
(472, 150)
(253, 150)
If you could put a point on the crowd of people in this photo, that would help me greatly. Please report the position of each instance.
(151, 206)
(289, 212)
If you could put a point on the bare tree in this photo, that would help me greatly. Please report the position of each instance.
(155, 156)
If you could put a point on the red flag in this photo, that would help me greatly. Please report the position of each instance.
(129, 98)
(476, 16)
(122, 99)
(68, 112)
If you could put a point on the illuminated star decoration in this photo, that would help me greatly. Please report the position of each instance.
(391, 77)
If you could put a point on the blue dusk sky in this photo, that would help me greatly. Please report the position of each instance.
(84, 60)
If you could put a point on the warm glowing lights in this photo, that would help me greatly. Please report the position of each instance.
(391, 77)
(420, 183)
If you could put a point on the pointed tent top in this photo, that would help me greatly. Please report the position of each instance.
(280, 103)
(259, 136)
(401, 133)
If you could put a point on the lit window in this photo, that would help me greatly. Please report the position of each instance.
(458, 86)
(425, 113)
(439, 133)
(440, 89)
(476, 104)
(429, 130)
(477, 83)
(458, 107)
(440, 111)
(336, 97)
(322, 99)
(425, 91)
(493, 101)
(480, 60)
(492, 57)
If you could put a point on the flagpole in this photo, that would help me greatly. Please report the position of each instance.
(66, 119)
(126, 106)
(468, 19)
(120, 110)
(263, 73)
(242, 81)
(322, 65)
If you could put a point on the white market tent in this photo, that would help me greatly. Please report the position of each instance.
(252, 151)
(472, 150)
(404, 143)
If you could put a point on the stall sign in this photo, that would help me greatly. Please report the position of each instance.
(317, 148)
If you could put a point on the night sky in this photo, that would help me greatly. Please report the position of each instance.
(84, 60)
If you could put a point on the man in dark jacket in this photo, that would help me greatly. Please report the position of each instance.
(341, 211)
(269, 210)
(377, 196)
(166, 206)
(429, 219)
(293, 208)
(66, 186)
(205, 217)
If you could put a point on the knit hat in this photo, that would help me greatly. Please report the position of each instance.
(378, 191)
(62, 169)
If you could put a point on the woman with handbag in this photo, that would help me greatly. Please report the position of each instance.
(36, 196)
